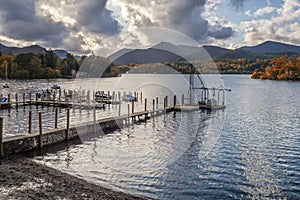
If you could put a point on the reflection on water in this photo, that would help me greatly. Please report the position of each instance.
(184, 156)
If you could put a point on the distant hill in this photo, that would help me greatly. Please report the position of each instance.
(166, 46)
(272, 47)
(215, 51)
(117, 54)
(61, 53)
(268, 49)
(17, 50)
(164, 52)
(35, 49)
(150, 55)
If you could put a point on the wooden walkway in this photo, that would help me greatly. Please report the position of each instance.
(17, 144)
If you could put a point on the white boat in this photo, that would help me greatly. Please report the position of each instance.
(5, 85)
(100, 96)
(129, 97)
(55, 87)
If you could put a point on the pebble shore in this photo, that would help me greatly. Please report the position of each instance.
(22, 178)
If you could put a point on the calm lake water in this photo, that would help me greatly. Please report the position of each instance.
(249, 151)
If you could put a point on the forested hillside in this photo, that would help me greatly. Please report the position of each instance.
(280, 68)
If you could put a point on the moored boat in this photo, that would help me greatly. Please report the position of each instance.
(5, 85)
(101, 96)
(129, 97)
(55, 87)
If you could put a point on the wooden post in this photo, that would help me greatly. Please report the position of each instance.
(54, 99)
(67, 100)
(141, 96)
(137, 96)
(23, 99)
(16, 99)
(94, 114)
(30, 98)
(182, 100)
(145, 104)
(164, 102)
(8, 99)
(113, 96)
(80, 102)
(132, 107)
(30, 121)
(1, 136)
(167, 101)
(174, 104)
(68, 124)
(56, 118)
(1, 96)
(119, 109)
(128, 106)
(156, 102)
(88, 97)
(153, 106)
(40, 130)
(36, 97)
(94, 97)
(59, 96)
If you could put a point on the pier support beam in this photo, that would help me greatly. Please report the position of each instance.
(145, 104)
(29, 121)
(56, 118)
(1, 96)
(40, 130)
(68, 124)
(1, 136)
(174, 104)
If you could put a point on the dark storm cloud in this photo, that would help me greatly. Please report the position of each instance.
(183, 16)
(221, 33)
(45, 21)
(96, 18)
(19, 21)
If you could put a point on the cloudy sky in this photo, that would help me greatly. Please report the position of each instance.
(82, 26)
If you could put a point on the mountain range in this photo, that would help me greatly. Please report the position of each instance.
(35, 49)
(168, 52)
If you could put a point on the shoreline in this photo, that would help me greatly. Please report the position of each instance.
(22, 178)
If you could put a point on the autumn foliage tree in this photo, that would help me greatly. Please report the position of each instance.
(281, 68)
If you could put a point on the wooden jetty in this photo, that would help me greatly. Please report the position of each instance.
(36, 140)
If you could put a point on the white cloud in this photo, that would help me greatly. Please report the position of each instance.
(263, 11)
(281, 27)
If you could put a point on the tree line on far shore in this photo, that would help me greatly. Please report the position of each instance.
(49, 65)
(280, 68)
(38, 66)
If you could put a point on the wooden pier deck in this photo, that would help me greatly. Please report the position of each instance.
(36, 140)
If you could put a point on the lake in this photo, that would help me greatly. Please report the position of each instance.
(249, 151)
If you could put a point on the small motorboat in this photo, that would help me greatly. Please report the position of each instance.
(3, 99)
(47, 93)
(129, 97)
(5, 85)
(55, 87)
(212, 102)
(100, 96)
